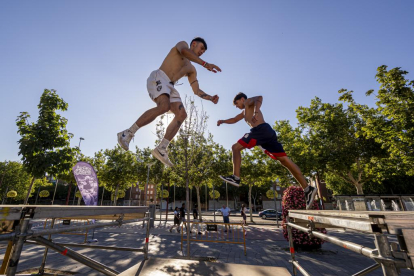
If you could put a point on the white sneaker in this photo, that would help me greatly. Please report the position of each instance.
(124, 137)
(162, 155)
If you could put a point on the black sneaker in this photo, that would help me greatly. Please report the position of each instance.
(231, 180)
(310, 196)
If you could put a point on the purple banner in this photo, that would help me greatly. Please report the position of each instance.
(87, 180)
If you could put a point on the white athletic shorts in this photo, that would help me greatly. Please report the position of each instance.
(158, 83)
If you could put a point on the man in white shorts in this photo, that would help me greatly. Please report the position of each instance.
(160, 85)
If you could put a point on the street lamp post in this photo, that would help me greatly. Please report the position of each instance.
(80, 140)
(274, 196)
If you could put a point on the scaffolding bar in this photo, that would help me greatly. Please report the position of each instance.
(367, 270)
(77, 257)
(95, 246)
(17, 249)
(368, 252)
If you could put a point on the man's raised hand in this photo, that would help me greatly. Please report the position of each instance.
(213, 68)
(219, 122)
(214, 99)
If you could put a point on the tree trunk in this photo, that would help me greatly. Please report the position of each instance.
(29, 191)
(68, 197)
(116, 194)
(358, 186)
(198, 203)
(250, 202)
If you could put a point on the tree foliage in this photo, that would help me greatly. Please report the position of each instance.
(44, 145)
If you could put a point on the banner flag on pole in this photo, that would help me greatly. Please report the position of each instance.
(87, 181)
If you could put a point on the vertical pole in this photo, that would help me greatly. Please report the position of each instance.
(274, 195)
(162, 196)
(291, 247)
(384, 249)
(206, 197)
(17, 250)
(147, 239)
(130, 194)
(74, 195)
(214, 205)
(227, 196)
(146, 187)
(37, 196)
(54, 194)
(103, 191)
(42, 266)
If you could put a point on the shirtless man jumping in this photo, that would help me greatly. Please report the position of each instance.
(264, 136)
(160, 86)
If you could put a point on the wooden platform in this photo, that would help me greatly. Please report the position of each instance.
(175, 267)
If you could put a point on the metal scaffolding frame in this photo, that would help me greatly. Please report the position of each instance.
(390, 256)
(21, 217)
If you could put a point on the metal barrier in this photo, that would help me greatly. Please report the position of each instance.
(63, 224)
(24, 215)
(391, 257)
(216, 232)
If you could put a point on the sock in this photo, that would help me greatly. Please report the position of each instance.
(236, 177)
(134, 128)
(164, 143)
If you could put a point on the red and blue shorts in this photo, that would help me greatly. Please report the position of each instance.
(263, 135)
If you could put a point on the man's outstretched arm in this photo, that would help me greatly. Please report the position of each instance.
(231, 120)
(192, 79)
(185, 51)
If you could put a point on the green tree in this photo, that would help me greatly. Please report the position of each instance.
(334, 138)
(119, 171)
(14, 177)
(390, 123)
(44, 145)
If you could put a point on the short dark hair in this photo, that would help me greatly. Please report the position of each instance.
(199, 39)
(239, 96)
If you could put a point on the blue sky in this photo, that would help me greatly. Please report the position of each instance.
(98, 55)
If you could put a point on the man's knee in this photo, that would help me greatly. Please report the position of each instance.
(237, 147)
(182, 115)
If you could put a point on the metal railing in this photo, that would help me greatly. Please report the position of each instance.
(24, 215)
(216, 232)
(390, 256)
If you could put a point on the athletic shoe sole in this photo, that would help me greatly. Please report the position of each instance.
(157, 155)
(230, 182)
(314, 192)
(119, 141)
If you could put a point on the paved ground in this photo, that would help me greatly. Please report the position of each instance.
(265, 246)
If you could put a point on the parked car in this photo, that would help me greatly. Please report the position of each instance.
(270, 213)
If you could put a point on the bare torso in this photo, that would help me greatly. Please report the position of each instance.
(175, 66)
(248, 116)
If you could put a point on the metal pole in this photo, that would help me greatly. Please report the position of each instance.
(74, 195)
(214, 204)
(37, 196)
(187, 196)
(42, 266)
(17, 249)
(162, 196)
(291, 247)
(77, 257)
(53, 199)
(206, 197)
(130, 193)
(103, 191)
(384, 250)
(274, 195)
(147, 240)
(174, 197)
(227, 196)
(146, 186)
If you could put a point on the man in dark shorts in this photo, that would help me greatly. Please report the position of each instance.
(262, 135)
(176, 220)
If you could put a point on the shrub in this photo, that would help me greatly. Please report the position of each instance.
(294, 199)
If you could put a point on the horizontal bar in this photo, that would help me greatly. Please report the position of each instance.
(95, 246)
(215, 241)
(368, 252)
